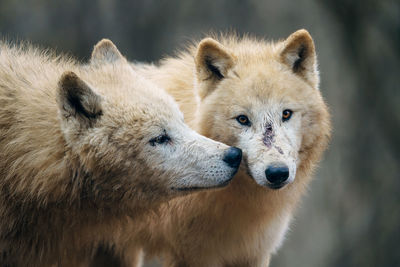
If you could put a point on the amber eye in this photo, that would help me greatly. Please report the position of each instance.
(243, 120)
(161, 139)
(286, 114)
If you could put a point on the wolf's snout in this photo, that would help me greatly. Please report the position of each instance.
(277, 174)
(233, 156)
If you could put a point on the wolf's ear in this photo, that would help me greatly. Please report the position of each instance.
(77, 101)
(213, 61)
(299, 54)
(106, 52)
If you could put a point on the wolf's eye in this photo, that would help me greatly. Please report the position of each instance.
(286, 114)
(161, 139)
(243, 120)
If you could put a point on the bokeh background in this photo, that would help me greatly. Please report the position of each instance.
(351, 215)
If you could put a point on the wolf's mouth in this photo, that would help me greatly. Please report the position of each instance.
(276, 186)
(198, 188)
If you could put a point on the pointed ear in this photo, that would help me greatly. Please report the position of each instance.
(299, 54)
(213, 61)
(106, 52)
(77, 101)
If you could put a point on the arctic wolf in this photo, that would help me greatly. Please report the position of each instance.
(264, 98)
(83, 147)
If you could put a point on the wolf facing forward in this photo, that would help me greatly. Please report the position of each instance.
(264, 98)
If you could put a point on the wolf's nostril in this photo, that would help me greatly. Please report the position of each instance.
(233, 156)
(277, 174)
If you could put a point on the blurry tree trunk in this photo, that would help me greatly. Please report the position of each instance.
(371, 39)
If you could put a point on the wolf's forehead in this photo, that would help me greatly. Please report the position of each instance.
(257, 63)
(261, 84)
(258, 98)
(266, 91)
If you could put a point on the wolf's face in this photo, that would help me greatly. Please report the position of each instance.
(187, 161)
(264, 100)
(133, 134)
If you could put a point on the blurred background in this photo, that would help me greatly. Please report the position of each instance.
(351, 215)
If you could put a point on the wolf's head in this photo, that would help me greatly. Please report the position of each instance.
(130, 135)
(263, 98)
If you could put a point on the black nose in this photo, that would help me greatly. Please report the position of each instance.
(277, 173)
(233, 156)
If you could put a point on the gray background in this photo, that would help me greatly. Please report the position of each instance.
(351, 215)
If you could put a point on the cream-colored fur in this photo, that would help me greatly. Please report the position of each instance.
(84, 149)
(214, 82)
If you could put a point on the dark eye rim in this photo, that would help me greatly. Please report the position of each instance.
(289, 116)
(247, 123)
(159, 140)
